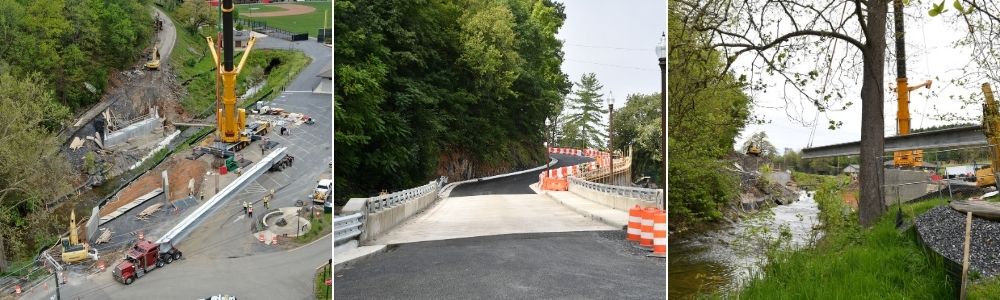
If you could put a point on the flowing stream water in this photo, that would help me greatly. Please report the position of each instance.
(721, 258)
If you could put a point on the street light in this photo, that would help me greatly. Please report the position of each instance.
(611, 151)
(548, 136)
(661, 53)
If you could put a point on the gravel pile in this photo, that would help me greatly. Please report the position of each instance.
(943, 229)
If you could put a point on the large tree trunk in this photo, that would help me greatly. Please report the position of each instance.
(871, 204)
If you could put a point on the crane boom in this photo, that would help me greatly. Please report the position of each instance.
(230, 119)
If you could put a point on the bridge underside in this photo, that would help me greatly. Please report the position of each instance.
(946, 138)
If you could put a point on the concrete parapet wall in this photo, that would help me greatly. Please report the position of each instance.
(137, 129)
(911, 184)
(613, 201)
(381, 222)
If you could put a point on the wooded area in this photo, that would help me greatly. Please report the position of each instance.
(457, 88)
(707, 111)
(55, 57)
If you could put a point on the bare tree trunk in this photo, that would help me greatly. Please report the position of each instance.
(3, 256)
(871, 205)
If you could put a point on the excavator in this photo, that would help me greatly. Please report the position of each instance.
(232, 132)
(986, 177)
(72, 249)
(154, 62)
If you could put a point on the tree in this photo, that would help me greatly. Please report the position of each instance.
(27, 106)
(707, 110)
(638, 125)
(760, 140)
(781, 34)
(194, 14)
(585, 114)
(457, 88)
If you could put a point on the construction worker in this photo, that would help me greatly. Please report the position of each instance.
(245, 206)
(250, 210)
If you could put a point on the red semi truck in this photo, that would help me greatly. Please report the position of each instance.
(144, 257)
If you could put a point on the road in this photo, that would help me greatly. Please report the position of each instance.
(281, 275)
(583, 260)
(514, 184)
(167, 39)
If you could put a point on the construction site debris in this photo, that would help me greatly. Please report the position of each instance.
(104, 237)
(149, 211)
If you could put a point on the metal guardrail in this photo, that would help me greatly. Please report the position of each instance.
(379, 203)
(347, 227)
(643, 194)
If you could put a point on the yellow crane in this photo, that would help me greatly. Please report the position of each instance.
(906, 158)
(231, 120)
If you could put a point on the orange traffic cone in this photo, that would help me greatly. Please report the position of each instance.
(634, 223)
(646, 234)
(659, 234)
(261, 237)
(17, 289)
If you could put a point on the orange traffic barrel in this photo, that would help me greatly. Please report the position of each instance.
(646, 233)
(634, 223)
(659, 234)
(17, 289)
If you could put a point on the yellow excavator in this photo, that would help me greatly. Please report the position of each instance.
(231, 128)
(72, 249)
(154, 63)
(991, 128)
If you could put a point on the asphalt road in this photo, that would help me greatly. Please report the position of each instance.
(568, 265)
(550, 265)
(166, 38)
(517, 184)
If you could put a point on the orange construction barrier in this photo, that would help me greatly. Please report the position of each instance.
(17, 289)
(141, 237)
(646, 234)
(261, 237)
(659, 234)
(634, 223)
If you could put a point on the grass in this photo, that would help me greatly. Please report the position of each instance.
(321, 290)
(851, 262)
(318, 227)
(987, 289)
(304, 23)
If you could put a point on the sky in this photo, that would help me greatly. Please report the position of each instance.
(930, 56)
(616, 40)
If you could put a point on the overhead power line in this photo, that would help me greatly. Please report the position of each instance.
(613, 65)
(607, 47)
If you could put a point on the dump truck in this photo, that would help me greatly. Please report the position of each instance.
(142, 258)
(322, 192)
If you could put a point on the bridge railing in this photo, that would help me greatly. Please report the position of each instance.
(382, 202)
(348, 227)
(651, 196)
